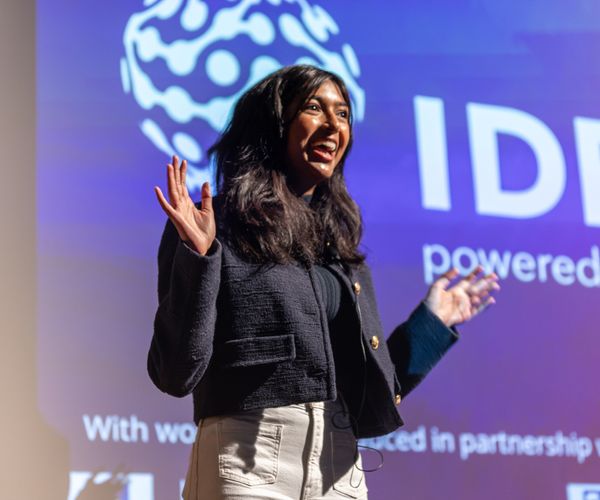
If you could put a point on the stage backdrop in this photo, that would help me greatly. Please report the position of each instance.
(477, 140)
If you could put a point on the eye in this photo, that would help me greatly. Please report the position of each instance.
(312, 107)
(343, 114)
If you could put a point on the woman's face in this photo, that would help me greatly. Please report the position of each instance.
(317, 138)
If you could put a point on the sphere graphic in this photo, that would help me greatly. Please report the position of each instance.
(186, 62)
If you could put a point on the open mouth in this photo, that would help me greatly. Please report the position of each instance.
(324, 150)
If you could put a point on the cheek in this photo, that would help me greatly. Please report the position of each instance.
(298, 137)
(307, 125)
(293, 143)
(346, 136)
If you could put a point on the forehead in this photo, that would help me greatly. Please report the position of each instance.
(329, 91)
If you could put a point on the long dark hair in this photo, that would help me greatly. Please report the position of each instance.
(260, 216)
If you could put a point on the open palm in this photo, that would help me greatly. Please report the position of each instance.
(196, 226)
(460, 302)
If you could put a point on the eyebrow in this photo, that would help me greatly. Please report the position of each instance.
(336, 103)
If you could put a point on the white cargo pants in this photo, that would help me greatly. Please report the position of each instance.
(297, 452)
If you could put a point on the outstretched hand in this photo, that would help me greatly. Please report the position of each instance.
(463, 300)
(195, 226)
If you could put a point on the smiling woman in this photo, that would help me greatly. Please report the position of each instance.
(267, 311)
(289, 133)
(318, 138)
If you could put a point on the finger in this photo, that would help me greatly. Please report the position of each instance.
(478, 287)
(175, 163)
(444, 280)
(472, 276)
(166, 206)
(475, 300)
(489, 302)
(489, 278)
(170, 211)
(467, 282)
(484, 284)
(177, 169)
(484, 305)
(172, 186)
(485, 280)
(183, 186)
(206, 197)
(485, 294)
(482, 297)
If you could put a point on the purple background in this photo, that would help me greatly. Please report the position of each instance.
(527, 366)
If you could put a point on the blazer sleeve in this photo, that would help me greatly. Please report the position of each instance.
(417, 345)
(188, 286)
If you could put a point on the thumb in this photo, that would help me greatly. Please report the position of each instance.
(206, 197)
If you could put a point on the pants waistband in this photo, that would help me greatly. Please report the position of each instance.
(324, 406)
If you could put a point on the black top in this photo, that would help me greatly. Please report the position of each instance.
(329, 285)
(331, 290)
(242, 336)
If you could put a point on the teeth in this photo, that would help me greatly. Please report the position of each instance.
(329, 145)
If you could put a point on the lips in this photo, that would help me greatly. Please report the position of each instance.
(322, 154)
(324, 150)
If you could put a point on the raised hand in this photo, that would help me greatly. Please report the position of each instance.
(465, 299)
(195, 226)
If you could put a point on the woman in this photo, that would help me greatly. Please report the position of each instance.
(267, 312)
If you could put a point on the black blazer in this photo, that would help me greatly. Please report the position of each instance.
(242, 336)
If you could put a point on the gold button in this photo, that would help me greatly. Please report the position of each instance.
(356, 287)
(374, 341)
(397, 399)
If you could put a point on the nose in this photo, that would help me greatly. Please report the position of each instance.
(332, 121)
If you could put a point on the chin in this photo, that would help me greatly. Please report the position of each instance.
(311, 173)
(323, 171)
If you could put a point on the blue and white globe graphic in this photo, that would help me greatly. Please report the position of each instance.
(186, 62)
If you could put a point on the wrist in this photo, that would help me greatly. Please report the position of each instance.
(190, 244)
(199, 248)
(446, 321)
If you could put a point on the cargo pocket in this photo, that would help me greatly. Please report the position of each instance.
(348, 479)
(248, 451)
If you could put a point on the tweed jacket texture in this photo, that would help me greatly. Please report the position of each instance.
(240, 336)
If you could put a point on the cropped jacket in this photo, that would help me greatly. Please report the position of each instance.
(240, 336)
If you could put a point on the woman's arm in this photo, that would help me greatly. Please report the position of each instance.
(189, 271)
(420, 342)
(188, 285)
(417, 345)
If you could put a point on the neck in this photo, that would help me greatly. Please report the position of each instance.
(303, 190)
(301, 187)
